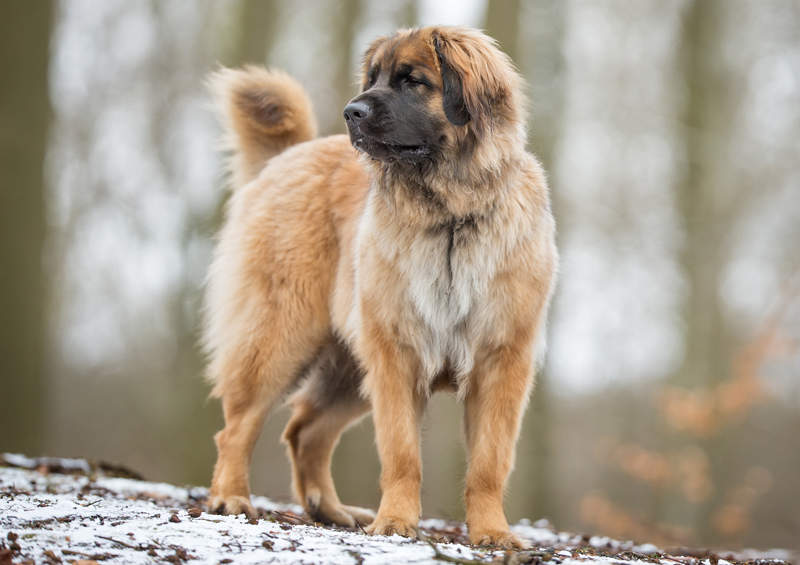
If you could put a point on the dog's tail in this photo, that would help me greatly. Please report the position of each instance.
(263, 113)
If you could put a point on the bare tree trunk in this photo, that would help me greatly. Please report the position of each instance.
(255, 35)
(707, 340)
(545, 63)
(502, 23)
(408, 14)
(25, 115)
(343, 28)
(702, 254)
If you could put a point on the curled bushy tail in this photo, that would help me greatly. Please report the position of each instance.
(264, 112)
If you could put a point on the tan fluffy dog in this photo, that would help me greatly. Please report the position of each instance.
(423, 259)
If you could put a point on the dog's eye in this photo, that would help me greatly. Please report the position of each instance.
(371, 78)
(414, 81)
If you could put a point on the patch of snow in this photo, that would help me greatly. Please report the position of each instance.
(539, 536)
(650, 549)
(131, 487)
(132, 521)
(19, 460)
(602, 541)
(118, 521)
(775, 554)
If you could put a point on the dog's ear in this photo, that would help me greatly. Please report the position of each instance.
(452, 87)
(479, 81)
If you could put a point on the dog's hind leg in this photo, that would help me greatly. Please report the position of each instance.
(247, 397)
(230, 486)
(268, 318)
(324, 407)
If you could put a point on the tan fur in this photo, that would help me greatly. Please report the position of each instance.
(329, 254)
(265, 111)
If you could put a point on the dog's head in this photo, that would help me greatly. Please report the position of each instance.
(431, 94)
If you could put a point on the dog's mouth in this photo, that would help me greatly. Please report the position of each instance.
(386, 151)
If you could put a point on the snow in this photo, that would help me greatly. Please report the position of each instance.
(53, 517)
(18, 460)
(649, 548)
(47, 516)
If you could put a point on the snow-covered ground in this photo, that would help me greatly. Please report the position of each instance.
(65, 510)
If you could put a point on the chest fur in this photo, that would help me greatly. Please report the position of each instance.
(444, 273)
(442, 276)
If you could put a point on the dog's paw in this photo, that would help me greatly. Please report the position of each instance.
(232, 505)
(341, 515)
(498, 538)
(363, 516)
(329, 512)
(389, 525)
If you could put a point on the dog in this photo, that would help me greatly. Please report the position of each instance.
(365, 272)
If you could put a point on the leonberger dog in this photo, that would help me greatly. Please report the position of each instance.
(369, 271)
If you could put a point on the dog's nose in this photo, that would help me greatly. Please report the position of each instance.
(355, 112)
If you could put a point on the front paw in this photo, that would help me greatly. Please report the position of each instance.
(499, 538)
(388, 525)
(232, 505)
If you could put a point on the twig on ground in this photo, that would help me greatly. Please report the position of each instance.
(360, 527)
(292, 518)
(439, 556)
(122, 543)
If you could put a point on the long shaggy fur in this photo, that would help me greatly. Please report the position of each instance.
(369, 280)
(264, 112)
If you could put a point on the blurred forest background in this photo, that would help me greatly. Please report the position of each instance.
(669, 409)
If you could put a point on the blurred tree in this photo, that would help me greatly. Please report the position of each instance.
(707, 341)
(408, 14)
(345, 22)
(502, 23)
(707, 350)
(256, 31)
(545, 65)
(542, 60)
(25, 115)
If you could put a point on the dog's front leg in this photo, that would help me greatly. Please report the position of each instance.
(397, 411)
(495, 401)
